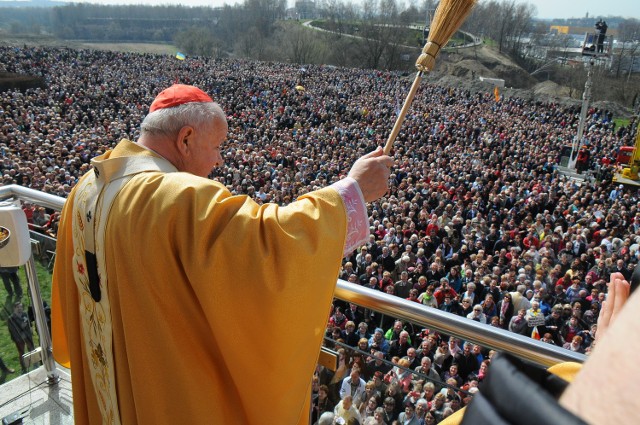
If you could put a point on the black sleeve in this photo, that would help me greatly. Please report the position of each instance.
(517, 393)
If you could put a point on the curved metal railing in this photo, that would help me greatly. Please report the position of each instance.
(487, 336)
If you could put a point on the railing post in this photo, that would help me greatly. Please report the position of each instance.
(41, 323)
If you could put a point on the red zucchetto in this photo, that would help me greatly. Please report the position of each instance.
(178, 94)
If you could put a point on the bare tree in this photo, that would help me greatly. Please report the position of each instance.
(264, 13)
(345, 51)
(506, 22)
(251, 44)
(300, 45)
(371, 30)
(484, 19)
(381, 31)
(626, 55)
(521, 26)
(507, 17)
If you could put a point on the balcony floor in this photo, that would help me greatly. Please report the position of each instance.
(41, 403)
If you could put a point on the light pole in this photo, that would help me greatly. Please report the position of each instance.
(586, 99)
(427, 24)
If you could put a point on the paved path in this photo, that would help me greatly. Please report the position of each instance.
(476, 40)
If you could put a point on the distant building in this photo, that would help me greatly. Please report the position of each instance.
(305, 9)
(578, 30)
(559, 29)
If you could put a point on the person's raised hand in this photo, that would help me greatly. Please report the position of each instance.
(617, 296)
(372, 174)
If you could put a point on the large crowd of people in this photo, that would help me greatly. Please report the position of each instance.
(478, 222)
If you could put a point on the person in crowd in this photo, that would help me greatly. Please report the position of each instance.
(427, 297)
(352, 385)
(347, 411)
(438, 407)
(452, 372)
(4, 371)
(350, 336)
(575, 344)
(363, 333)
(408, 416)
(377, 364)
(11, 282)
(364, 397)
(477, 314)
(505, 309)
(327, 418)
(401, 346)
(321, 403)
(389, 414)
(377, 418)
(466, 361)
(355, 314)
(21, 332)
(428, 373)
(367, 410)
(400, 375)
(338, 319)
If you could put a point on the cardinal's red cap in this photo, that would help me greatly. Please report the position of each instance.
(178, 94)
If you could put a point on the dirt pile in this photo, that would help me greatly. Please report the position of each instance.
(464, 67)
(482, 61)
(551, 89)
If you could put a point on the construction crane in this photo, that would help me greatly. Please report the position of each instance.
(629, 159)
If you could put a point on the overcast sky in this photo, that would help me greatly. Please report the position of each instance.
(546, 8)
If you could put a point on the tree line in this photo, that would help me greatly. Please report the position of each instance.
(369, 34)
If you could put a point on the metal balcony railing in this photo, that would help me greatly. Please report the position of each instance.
(485, 335)
(26, 194)
(468, 330)
(45, 351)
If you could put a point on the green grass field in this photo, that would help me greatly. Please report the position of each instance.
(8, 350)
(621, 122)
(159, 49)
(153, 48)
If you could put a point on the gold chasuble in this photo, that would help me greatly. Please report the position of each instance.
(217, 306)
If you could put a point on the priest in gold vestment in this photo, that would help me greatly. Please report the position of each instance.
(176, 302)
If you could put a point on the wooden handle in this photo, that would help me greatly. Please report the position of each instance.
(403, 113)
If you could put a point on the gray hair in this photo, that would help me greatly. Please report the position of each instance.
(169, 121)
(422, 401)
(370, 420)
(326, 418)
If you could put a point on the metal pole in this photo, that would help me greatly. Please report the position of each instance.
(43, 199)
(41, 324)
(586, 99)
(487, 336)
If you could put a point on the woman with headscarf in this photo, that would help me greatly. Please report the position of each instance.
(505, 310)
